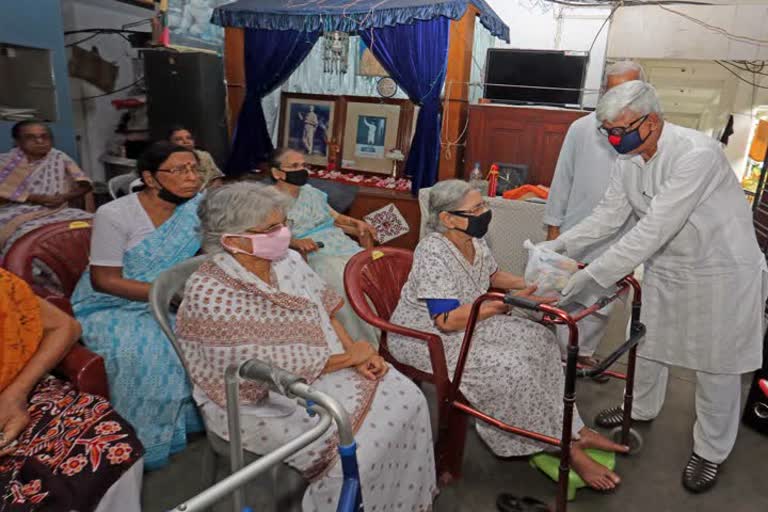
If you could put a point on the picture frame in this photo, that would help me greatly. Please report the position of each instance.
(371, 130)
(511, 176)
(307, 124)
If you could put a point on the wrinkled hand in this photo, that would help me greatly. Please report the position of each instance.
(555, 245)
(374, 368)
(578, 282)
(528, 293)
(366, 230)
(13, 419)
(360, 352)
(304, 245)
(493, 308)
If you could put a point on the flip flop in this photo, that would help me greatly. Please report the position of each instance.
(506, 502)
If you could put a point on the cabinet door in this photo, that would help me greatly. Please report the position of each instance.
(549, 140)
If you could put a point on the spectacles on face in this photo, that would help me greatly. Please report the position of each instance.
(186, 169)
(33, 137)
(620, 131)
(296, 166)
(475, 210)
(269, 229)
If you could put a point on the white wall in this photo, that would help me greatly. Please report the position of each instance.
(535, 26)
(96, 120)
(650, 32)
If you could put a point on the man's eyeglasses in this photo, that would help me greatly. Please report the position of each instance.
(31, 137)
(182, 170)
(620, 131)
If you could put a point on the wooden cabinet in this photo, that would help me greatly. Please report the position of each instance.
(518, 135)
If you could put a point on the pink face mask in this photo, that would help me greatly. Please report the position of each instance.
(269, 246)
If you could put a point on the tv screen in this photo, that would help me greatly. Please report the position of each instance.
(537, 69)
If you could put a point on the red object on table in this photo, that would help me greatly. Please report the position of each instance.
(127, 103)
(493, 180)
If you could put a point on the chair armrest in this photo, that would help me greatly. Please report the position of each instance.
(85, 370)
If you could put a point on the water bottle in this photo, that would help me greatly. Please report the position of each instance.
(476, 180)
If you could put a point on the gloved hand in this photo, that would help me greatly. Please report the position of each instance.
(579, 281)
(555, 245)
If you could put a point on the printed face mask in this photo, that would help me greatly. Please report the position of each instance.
(268, 246)
(629, 141)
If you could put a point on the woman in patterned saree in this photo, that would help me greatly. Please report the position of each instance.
(36, 183)
(134, 239)
(257, 298)
(313, 222)
(60, 450)
(513, 371)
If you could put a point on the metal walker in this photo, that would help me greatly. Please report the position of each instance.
(317, 403)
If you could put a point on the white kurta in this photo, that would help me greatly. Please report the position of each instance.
(581, 178)
(705, 277)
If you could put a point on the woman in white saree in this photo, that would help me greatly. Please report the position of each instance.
(257, 298)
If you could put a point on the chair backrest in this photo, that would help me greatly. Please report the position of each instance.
(379, 275)
(63, 247)
(120, 184)
(162, 292)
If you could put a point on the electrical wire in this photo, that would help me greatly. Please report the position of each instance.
(608, 19)
(734, 73)
(111, 92)
(716, 29)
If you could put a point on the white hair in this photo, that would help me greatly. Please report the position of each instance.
(236, 207)
(634, 96)
(445, 196)
(623, 67)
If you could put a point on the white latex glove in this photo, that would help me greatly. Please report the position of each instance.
(577, 284)
(555, 245)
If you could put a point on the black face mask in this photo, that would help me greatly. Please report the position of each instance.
(168, 196)
(477, 225)
(298, 178)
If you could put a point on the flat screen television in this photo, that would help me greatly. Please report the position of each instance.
(509, 70)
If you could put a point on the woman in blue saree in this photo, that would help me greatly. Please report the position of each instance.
(135, 238)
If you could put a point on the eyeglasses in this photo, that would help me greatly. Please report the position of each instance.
(183, 169)
(31, 137)
(297, 166)
(270, 229)
(621, 131)
(475, 210)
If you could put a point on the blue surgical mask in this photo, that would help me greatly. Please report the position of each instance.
(629, 141)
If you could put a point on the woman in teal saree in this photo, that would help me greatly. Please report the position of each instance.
(135, 238)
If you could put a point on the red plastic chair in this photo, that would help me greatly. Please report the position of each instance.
(65, 248)
(378, 275)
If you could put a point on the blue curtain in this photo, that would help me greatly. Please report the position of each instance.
(271, 56)
(416, 56)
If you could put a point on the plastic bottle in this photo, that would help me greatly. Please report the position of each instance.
(476, 180)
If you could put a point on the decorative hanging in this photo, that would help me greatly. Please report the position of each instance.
(336, 52)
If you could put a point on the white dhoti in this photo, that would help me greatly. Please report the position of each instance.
(718, 399)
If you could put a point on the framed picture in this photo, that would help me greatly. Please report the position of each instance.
(371, 130)
(367, 64)
(307, 125)
(190, 24)
(511, 176)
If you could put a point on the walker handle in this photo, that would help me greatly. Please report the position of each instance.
(277, 378)
(521, 302)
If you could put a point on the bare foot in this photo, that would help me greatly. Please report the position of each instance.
(591, 439)
(595, 475)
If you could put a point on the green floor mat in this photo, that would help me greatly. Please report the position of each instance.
(549, 464)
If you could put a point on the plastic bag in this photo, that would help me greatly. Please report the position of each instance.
(548, 270)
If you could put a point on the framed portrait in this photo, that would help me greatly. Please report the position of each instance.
(307, 126)
(367, 64)
(190, 24)
(371, 130)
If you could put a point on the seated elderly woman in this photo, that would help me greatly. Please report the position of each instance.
(513, 371)
(256, 298)
(134, 239)
(37, 183)
(60, 449)
(314, 223)
(183, 137)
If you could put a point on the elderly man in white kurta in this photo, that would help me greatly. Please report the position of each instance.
(705, 278)
(581, 178)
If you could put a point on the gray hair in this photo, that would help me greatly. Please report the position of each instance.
(634, 96)
(623, 67)
(236, 207)
(445, 196)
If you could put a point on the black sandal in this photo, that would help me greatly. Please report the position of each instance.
(700, 474)
(506, 502)
(613, 417)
